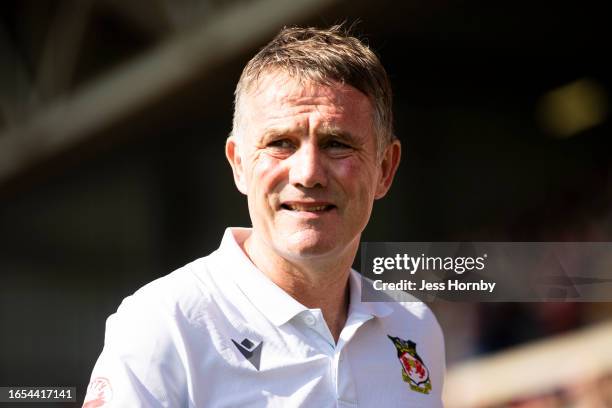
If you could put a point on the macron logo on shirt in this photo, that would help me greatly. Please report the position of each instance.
(250, 351)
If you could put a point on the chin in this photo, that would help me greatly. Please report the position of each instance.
(309, 244)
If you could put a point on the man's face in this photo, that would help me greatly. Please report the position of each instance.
(305, 156)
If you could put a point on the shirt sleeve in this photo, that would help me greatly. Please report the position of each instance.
(140, 365)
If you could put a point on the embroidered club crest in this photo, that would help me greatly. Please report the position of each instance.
(414, 370)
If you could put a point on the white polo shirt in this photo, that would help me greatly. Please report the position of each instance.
(219, 333)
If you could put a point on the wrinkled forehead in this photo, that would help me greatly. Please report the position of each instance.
(282, 76)
(278, 88)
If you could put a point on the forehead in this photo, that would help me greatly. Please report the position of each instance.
(277, 96)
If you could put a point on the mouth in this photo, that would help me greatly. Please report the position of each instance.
(308, 207)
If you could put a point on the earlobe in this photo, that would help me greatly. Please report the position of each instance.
(233, 154)
(388, 167)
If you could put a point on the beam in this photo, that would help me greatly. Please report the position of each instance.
(532, 370)
(187, 56)
(149, 16)
(17, 93)
(62, 45)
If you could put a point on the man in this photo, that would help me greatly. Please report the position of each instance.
(274, 317)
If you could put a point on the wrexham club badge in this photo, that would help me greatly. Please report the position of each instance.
(414, 370)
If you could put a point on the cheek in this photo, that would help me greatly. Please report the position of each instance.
(356, 178)
(267, 174)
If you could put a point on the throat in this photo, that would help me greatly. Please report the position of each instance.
(316, 285)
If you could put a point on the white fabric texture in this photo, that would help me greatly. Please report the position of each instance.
(219, 333)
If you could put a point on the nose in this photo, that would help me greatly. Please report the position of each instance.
(308, 167)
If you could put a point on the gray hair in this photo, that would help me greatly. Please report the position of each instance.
(324, 56)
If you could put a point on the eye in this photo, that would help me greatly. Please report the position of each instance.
(281, 144)
(336, 145)
(281, 148)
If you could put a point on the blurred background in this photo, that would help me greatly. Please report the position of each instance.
(113, 118)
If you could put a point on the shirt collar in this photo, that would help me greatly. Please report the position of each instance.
(376, 309)
(276, 304)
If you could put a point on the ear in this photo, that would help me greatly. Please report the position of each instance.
(388, 167)
(233, 154)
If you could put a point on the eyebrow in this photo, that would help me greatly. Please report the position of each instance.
(325, 132)
(329, 132)
(273, 132)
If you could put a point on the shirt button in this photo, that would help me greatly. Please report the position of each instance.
(309, 320)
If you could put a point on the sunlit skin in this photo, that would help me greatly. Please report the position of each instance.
(306, 157)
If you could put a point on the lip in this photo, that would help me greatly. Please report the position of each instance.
(310, 209)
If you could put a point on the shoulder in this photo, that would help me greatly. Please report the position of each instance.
(151, 314)
(144, 346)
(406, 310)
(419, 316)
(182, 288)
(147, 334)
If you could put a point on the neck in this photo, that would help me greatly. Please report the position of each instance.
(316, 282)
